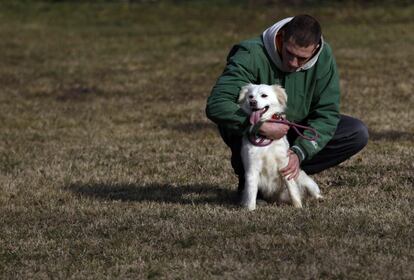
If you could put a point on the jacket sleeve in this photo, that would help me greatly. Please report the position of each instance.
(222, 105)
(324, 113)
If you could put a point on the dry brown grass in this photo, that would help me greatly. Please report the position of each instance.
(109, 168)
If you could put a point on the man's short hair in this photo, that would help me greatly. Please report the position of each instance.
(304, 30)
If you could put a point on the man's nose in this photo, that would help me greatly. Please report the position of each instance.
(293, 61)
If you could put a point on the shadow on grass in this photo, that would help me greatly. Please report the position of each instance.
(194, 127)
(391, 135)
(186, 194)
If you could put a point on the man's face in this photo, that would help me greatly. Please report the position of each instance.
(294, 56)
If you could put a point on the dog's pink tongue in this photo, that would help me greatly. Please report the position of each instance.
(255, 116)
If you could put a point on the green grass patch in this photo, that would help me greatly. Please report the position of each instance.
(110, 169)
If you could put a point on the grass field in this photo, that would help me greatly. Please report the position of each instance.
(110, 169)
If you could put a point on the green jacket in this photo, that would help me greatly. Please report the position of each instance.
(313, 94)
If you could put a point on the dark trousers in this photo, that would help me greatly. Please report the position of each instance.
(350, 137)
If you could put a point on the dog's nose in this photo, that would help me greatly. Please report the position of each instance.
(253, 103)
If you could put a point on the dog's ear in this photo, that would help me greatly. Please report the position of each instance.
(280, 95)
(243, 92)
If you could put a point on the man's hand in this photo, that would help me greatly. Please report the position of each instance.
(293, 167)
(273, 131)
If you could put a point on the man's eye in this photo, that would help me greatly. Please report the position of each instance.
(264, 95)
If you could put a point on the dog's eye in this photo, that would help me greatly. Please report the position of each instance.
(264, 95)
(250, 96)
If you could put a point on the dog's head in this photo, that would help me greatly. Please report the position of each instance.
(264, 98)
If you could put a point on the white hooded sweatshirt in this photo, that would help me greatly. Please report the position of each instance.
(269, 39)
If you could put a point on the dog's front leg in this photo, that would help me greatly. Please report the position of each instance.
(250, 190)
(294, 192)
(292, 186)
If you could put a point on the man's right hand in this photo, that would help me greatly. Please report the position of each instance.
(273, 131)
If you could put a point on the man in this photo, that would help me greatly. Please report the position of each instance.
(293, 54)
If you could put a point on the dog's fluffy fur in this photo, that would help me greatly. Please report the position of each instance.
(262, 164)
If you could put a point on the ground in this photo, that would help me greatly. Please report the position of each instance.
(110, 169)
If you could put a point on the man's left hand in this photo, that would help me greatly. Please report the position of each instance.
(291, 171)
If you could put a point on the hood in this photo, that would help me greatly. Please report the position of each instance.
(269, 36)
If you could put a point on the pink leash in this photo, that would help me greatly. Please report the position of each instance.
(261, 141)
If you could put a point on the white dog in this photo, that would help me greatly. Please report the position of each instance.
(262, 163)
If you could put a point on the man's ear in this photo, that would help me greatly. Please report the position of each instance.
(280, 95)
(243, 92)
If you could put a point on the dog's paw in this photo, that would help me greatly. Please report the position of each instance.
(297, 204)
(319, 197)
(249, 206)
